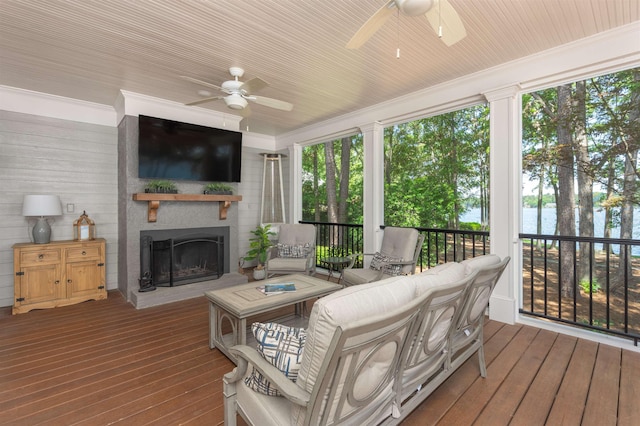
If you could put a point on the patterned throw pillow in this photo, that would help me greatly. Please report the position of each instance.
(280, 345)
(294, 250)
(379, 261)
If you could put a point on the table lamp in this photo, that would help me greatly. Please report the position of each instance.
(41, 206)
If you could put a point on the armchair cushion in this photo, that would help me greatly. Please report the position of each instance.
(360, 276)
(280, 345)
(294, 250)
(400, 243)
(290, 264)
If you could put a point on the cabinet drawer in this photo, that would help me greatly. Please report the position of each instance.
(39, 257)
(82, 253)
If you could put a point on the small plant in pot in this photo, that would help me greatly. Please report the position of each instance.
(218, 188)
(258, 246)
(161, 187)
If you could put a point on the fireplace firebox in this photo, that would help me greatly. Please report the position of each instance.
(171, 258)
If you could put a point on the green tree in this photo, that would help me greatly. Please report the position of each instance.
(433, 165)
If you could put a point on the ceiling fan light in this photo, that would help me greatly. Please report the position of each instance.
(414, 7)
(235, 101)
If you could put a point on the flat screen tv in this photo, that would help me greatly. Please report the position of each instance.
(173, 150)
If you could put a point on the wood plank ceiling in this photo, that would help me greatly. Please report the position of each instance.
(91, 49)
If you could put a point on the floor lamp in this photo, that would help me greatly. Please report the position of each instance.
(272, 206)
(41, 206)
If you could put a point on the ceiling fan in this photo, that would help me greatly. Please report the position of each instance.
(442, 17)
(238, 93)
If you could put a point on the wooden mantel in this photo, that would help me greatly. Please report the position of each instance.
(154, 201)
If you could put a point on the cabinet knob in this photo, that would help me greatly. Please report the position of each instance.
(69, 281)
(41, 256)
(84, 252)
(56, 282)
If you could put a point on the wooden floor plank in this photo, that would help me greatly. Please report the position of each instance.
(471, 403)
(601, 411)
(500, 409)
(628, 405)
(93, 398)
(104, 362)
(536, 404)
(568, 407)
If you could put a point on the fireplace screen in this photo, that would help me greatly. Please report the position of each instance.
(188, 259)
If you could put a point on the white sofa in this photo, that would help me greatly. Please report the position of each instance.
(373, 352)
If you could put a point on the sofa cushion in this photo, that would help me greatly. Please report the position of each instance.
(282, 346)
(480, 262)
(294, 250)
(444, 274)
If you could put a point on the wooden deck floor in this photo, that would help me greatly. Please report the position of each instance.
(105, 362)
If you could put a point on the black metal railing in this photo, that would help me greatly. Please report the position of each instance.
(336, 240)
(591, 283)
(440, 245)
(605, 299)
(451, 245)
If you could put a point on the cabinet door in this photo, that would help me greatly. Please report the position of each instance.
(84, 280)
(38, 284)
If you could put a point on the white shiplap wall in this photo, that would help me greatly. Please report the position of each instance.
(76, 161)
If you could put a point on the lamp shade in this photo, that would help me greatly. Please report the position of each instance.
(41, 205)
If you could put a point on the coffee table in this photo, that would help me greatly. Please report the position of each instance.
(234, 305)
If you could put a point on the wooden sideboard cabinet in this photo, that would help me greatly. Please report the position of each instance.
(57, 274)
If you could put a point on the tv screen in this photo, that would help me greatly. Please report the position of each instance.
(173, 150)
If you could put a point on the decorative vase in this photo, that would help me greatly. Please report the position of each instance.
(259, 274)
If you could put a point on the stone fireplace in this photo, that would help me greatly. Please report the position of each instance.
(134, 220)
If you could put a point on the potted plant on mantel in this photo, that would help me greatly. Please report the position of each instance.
(161, 187)
(258, 246)
(218, 188)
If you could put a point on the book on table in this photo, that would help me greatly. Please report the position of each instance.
(277, 288)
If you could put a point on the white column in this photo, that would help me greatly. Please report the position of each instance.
(505, 184)
(373, 177)
(295, 183)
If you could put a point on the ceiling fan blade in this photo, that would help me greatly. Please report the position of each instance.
(253, 85)
(202, 101)
(245, 112)
(372, 25)
(272, 103)
(204, 83)
(443, 14)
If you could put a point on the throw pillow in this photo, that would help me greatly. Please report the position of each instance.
(379, 261)
(282, 346)
(293, 250)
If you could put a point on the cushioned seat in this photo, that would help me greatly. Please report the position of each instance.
(295, 251)
(398, 255)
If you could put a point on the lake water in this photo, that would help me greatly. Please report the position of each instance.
(530, 216)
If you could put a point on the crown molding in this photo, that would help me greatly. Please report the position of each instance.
(43, 104)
